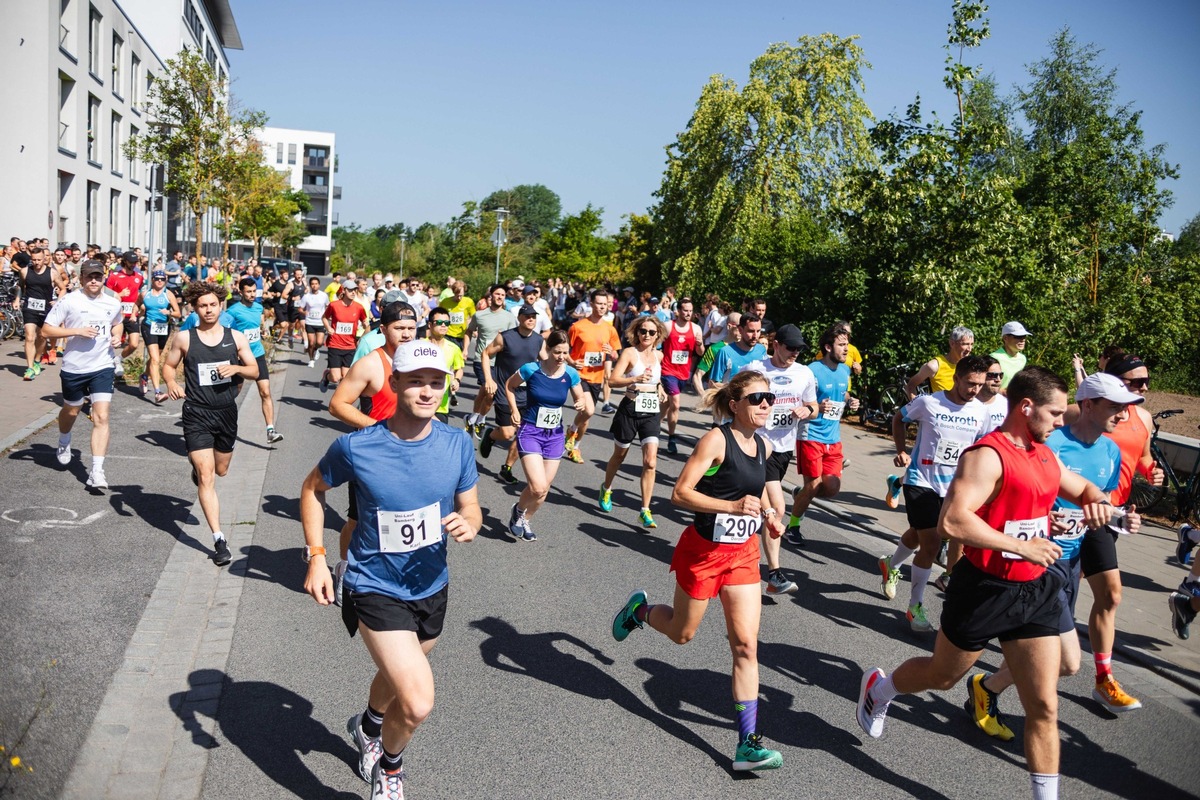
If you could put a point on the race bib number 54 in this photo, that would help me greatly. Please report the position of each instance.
(406, 531)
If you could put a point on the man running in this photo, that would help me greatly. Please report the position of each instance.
(511, 350)
(947, 423)
(795, 392)
(682, 348)
(212, 357)
(939, 370)
(439, 323)
(39, 282)
(594, 342)
(736, 355)
(397, 583)
(1011, 353)
(819, 453)
(486, 324)
(127, 284)
(91, 322)
(998, 506)
(344, 320)
(462, 309)
(313, 305)
(733, 334)
(247, 316)
(1085, 450)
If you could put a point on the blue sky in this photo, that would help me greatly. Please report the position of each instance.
(436, 103)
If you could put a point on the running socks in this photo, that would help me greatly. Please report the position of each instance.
(64, 439)
(97, 463)
(747, 717)
(391, 763)
(901, 555)
(1103, 665)
(642, 612)
(920, 577)
(1045, 787)
(217, 536)
(883, 691)
(372, 723)
(793, 520)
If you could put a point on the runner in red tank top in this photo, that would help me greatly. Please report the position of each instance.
(998, 506)
(368, 381)
(681, 350)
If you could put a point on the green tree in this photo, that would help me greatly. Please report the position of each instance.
(779, 147)
(576, 248)
(195, 132)
(534, 210)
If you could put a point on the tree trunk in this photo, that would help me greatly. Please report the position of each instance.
(199, 230)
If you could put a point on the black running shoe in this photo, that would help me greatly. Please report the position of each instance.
(221, 555)
(507, 476)
(485, 441)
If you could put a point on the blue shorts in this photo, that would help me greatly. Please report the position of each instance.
(1067, 572)
(76, 387)
(672, 384)
(545, 442)
(477, 369)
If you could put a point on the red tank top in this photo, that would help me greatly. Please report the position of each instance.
(678, 351)
(383, 402)
(1028, 486)
(1130, 436)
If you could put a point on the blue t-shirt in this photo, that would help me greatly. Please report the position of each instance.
(193, 319)
(396, 476)
(543, 391)
(832, 384)
(730, 360)
(1099, 462)
(190, 272)
(156, 306)
(248, 320)
(368, 343)
(512, 305)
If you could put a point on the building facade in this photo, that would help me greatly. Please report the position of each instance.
(78, 76)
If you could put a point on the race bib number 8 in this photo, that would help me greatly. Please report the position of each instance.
(593, 359)
(679, 356)
(948, 451)
(735, 528)
(406, 531)
(209, 375)
(158, 329)
(780, 418)
(835, 410)
(646, 403)
(1024, 530)
(344, 328)
(549, 418)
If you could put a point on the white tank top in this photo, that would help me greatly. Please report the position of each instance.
(636, 367)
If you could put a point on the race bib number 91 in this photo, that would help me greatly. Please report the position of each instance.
(406, 531)
(735, 528)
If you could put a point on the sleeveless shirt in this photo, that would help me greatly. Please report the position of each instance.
(202, 382)
(735, 477)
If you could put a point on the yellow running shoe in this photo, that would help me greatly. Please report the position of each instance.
(985, 711)
(573, 454)
(1109, 694)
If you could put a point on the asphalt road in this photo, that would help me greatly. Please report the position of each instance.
(535, 699)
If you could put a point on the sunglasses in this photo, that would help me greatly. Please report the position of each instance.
(757, 398)
(995, 376)
(440, 322)
(789, 348)
(1137, 383)
(648, 332)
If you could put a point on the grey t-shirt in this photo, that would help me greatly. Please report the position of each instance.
(488, 323)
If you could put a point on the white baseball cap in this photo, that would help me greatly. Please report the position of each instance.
(1101, 385)
(349, 285)
(413, 356)
(1013, 329)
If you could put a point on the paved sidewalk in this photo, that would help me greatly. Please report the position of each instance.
(28, 406)
(1148, 568)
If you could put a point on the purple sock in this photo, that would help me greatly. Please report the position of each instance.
(747, 717)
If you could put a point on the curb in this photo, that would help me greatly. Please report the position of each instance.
(1130, 653)
(9, 441)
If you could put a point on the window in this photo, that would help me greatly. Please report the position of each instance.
(317, 157)
(114, 143)
(131, 164)
(93, 133)
(94, 41)
(193, 21)
(135, 82)
(93, 198)
(65, 201)
(114, 213)
(291, 154)
(210, 55)
(132, 238)
(66, 31)
(279, 153)
(118, 60)
(67, 118)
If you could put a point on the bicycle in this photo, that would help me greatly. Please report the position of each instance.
(1146, 495)
(878, 407)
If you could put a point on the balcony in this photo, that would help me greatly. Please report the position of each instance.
(337, 193)
(318, 191)
(321, 164)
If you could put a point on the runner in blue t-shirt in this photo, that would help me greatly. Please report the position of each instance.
(539, 439)
(819, 451)
(1085, 450)
(247, 314)
(397, 582)
(735, 355)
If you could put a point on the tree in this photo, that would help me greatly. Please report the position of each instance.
(533, 211)
(750, 158)
(1187, 243)
(575, 249)
(248, 186)
(195, 132)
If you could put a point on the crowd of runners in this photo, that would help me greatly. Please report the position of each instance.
(1014, 490)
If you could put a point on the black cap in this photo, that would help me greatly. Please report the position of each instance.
(91, 265)
(398, 310)
(527, 311)
(529, 289)
(790, 336)
(129, 256)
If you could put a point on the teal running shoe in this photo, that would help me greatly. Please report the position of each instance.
(605, 499)
(625, 621)
(647, 519)
(751, 755)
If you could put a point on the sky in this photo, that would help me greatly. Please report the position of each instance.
(437, 103)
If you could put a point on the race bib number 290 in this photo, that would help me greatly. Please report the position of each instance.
(406, 531)
(735, 528)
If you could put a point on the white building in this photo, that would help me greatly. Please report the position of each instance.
(309, 160)
(76, 74)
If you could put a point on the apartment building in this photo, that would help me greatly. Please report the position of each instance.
(77, 75)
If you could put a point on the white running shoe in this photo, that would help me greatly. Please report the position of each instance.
(64, 454)
(871, 715)
(97, 480)
(118, 367)
(369, 750)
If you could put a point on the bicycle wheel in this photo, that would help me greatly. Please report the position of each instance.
(889, 401)
(1144, 494)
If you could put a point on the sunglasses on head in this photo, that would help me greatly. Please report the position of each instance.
(995, 376)
(1137, 383)
(757, 398)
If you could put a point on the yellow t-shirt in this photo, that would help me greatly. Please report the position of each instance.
(460, 316)
(852, 357)
(943, 379)
(454, 360)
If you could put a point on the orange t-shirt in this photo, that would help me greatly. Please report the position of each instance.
(1130, 436)
(587, 340)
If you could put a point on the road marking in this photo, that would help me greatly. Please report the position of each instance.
(48, 517)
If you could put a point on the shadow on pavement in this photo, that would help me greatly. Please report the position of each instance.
(283, 567)
(537, 656)
(637, 539)
(169, 440)
(164, 512)
(44, 456)
(271, 725)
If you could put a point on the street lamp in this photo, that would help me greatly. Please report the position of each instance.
(498, 237)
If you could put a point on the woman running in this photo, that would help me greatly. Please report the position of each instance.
(724, 483)
(157, 307)
(540, 440)
(313, 305)
(638, 370)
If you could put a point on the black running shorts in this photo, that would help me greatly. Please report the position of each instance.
(980, 608)
(382, 613)
(777, 466)
(206, 428)
(627, 424)
(340, 359)
(1098, 553)
(923, 506)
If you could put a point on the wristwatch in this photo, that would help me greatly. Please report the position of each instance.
(309, 552)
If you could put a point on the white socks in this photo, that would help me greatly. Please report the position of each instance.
(920, 577)
(1045, 787)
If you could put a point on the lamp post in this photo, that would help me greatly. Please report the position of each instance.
(498, 237)
(403, 243)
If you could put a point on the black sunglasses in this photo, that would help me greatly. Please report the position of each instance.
(1137, 383)
(757, 398)
(648, 332)
(995, 376)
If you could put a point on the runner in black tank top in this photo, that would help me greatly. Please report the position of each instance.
(724, 483)
(508, 352)
(213, 358)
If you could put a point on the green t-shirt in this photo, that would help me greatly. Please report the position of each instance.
(1009, 365)
(710, 356)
